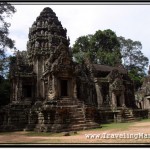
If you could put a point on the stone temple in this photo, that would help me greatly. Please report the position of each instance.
(52, 93)
(142, 96)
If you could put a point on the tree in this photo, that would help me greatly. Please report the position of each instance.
(133, 59)
(81, 48)
(6, 11)
(101, 48)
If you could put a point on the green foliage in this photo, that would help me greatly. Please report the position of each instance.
(100, 48)
(82, 48)
(133, 60)
(105, 41)
(12, 60)
(105, 48)
(109, 58)
(6, 11)
(132, 54)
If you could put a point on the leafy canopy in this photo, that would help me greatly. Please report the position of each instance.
(100, 48)
(6, 11)
(105, 48)
(133, 59)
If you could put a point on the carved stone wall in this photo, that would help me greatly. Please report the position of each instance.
(50, 92)
(143, 94)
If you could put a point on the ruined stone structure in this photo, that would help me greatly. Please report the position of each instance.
(143, 94)
(50, 92)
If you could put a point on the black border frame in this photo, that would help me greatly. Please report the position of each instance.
(83, 145)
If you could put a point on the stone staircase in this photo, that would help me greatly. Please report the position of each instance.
(75, 120)
(77, 113)
(125, 115)
(66, 102)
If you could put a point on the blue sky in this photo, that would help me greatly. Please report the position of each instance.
(129, 21)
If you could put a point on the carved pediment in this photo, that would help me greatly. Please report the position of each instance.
(113, 75)
(117, 85)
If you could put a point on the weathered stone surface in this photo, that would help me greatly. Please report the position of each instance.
(51, 93)
(143, 94)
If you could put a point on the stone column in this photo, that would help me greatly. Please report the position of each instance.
(19, 90)
(54, 86)
(38, 84)
(43, 95)
(114, 101)
(43, 69)
(122, 99)
(99, 94)
(74, 88)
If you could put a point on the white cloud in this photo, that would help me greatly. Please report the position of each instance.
(130, 21)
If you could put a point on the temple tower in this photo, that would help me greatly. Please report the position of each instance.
(48, 53)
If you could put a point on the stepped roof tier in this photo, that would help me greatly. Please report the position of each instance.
(45, 35)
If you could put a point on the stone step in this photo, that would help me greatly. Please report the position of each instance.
(78, 121)
(128, 115)
(79, 108)
(129, 119)
(79, 111)
(79, 118)
(80, 125)
(65, 104)
(83, 128)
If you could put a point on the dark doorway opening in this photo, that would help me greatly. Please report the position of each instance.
(27, 90)
(118, 101)
(64, 88)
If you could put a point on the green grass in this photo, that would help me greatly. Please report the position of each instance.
(108, 126)
(145, 120)
(4, 133)
(119, 126)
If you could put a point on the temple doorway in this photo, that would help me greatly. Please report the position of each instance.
(64, 87)
(118, 101)
(27, 91)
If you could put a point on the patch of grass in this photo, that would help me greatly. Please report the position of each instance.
(5, 133)
(145, 120)
(119, 126)
(109, 126)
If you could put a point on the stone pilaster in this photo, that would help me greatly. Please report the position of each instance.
(114, 101)
(99, 94)
(122, 99)
(74, 88)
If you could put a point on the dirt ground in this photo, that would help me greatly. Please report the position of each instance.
(138, 132)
